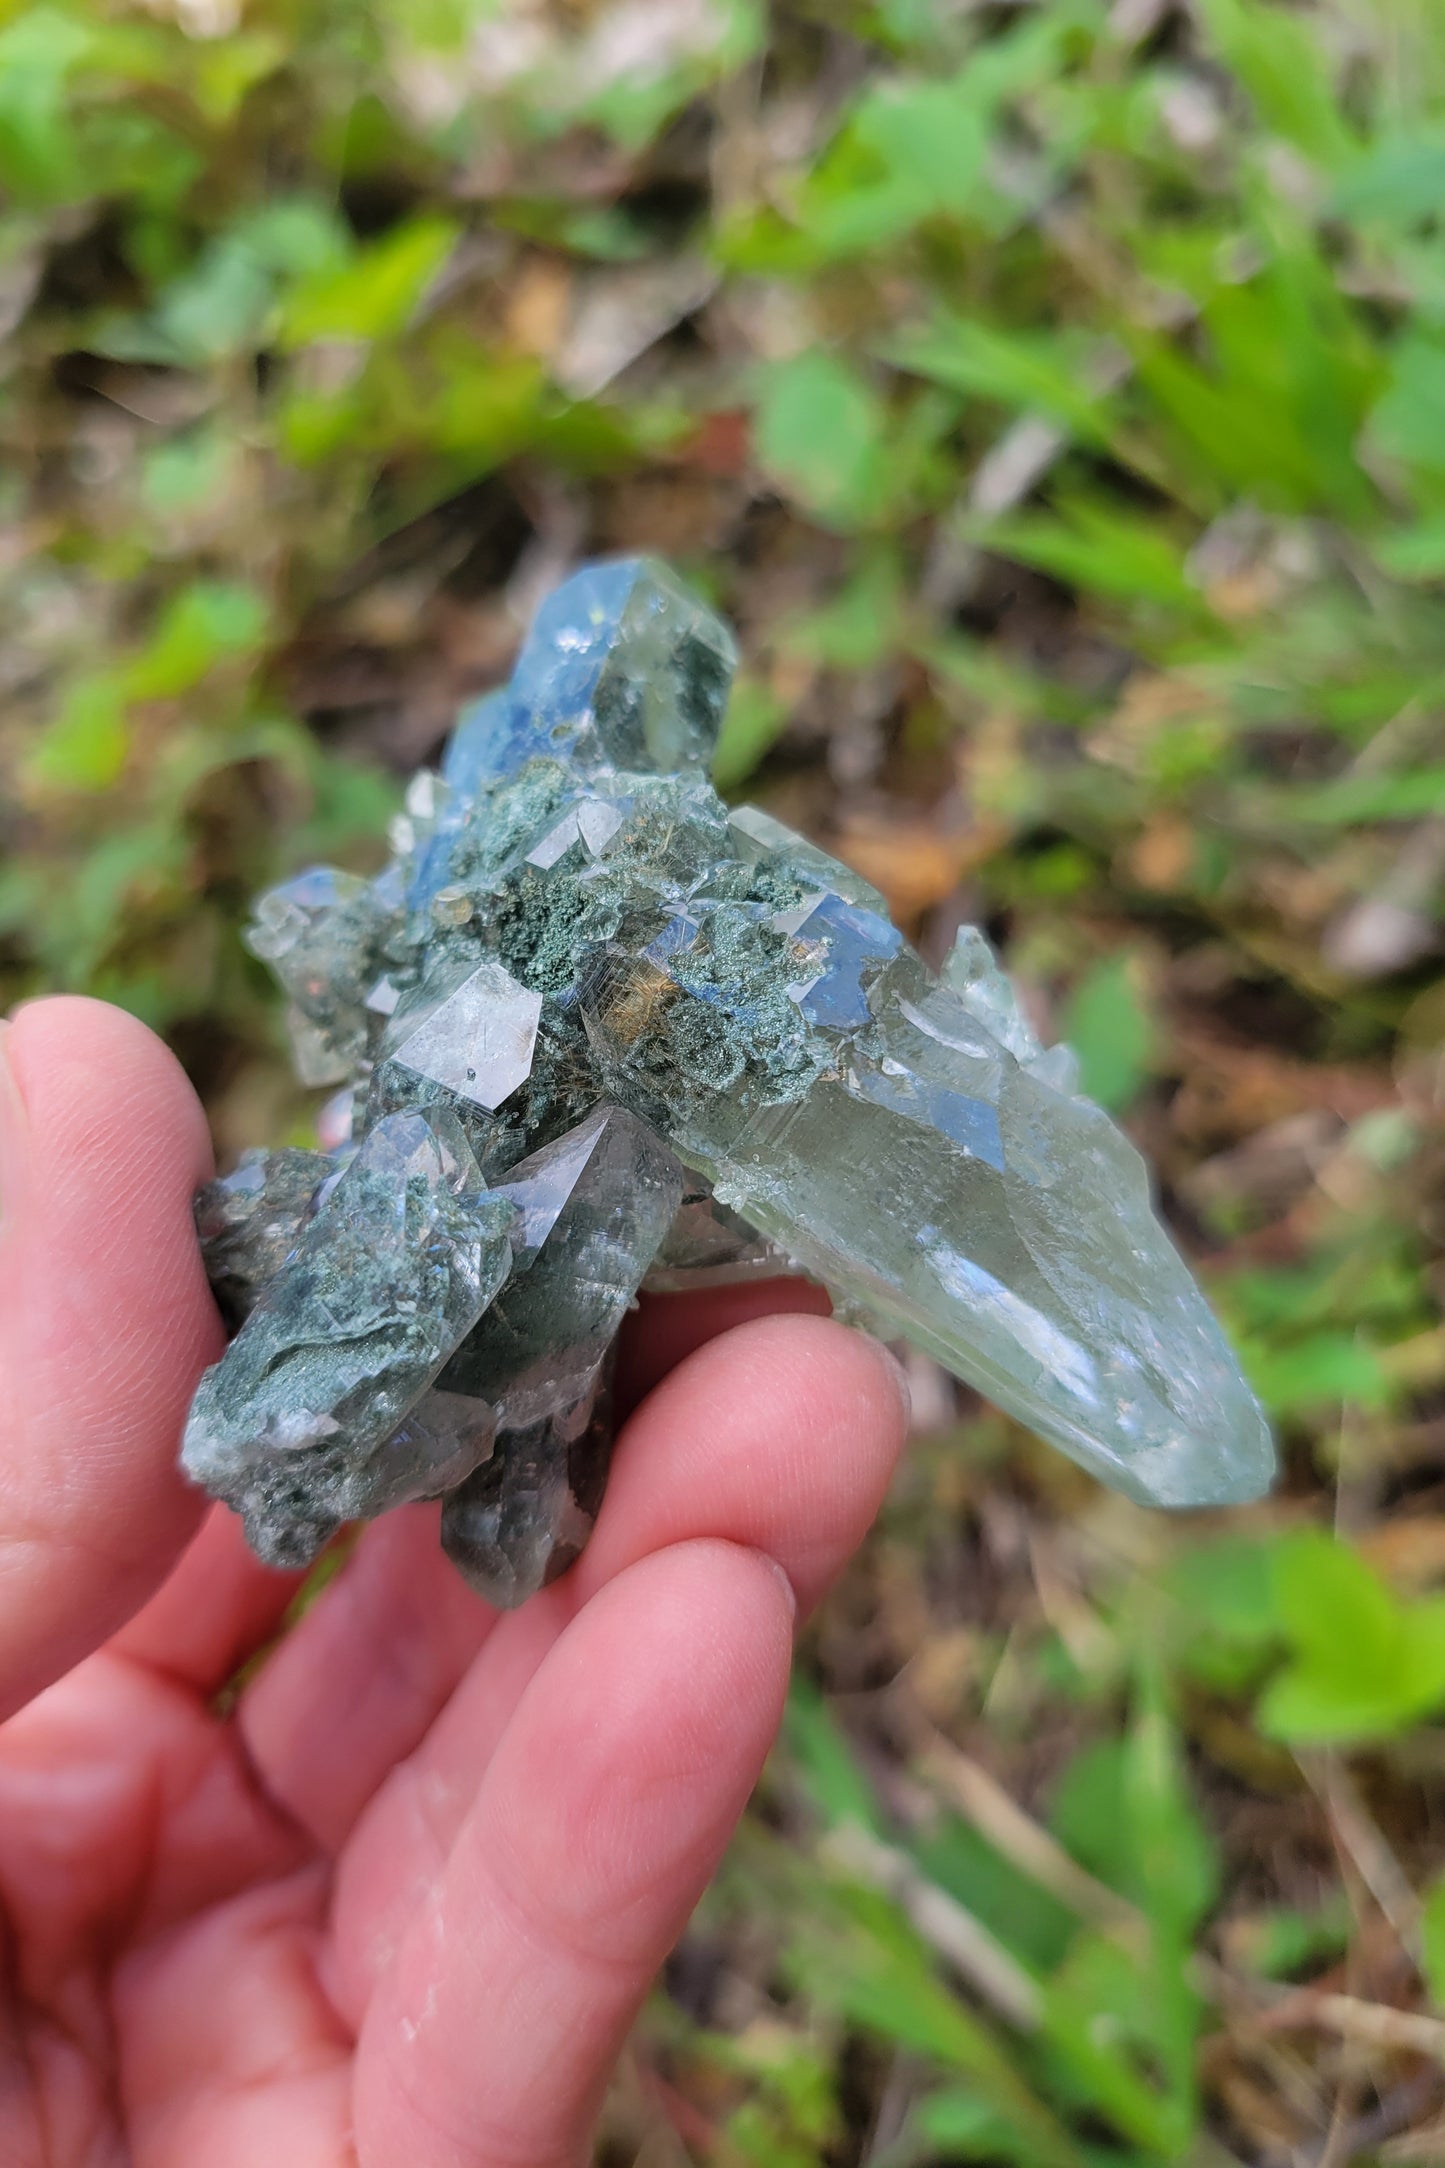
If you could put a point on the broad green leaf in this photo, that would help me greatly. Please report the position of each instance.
(224, 302)
(376, 294)
(820, 436)
(1409, 421)
(187, 472)
(200, 626)
(1365, 1665)
(1333, 1607)
(40, 158)
(219, 309)
(1316, 1370)
(1225, 1622)
(84, 747)
(1414, 553)
(1108, 1026)
(1399, 181)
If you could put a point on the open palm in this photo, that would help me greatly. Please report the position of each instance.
(398, 1903)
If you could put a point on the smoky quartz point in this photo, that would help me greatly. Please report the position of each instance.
(602, 1033)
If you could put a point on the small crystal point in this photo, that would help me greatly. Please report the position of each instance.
(624, 667)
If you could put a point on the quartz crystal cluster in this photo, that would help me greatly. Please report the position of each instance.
(596, 1033)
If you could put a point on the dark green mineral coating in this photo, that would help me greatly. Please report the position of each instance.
(580, 964)
(390, 1274)
(249, 1221)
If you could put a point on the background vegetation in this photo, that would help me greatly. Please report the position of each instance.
(1054, 393)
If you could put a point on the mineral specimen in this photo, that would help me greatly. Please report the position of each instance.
(603, 1033)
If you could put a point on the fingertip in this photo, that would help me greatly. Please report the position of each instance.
(781, 1435)
(84, 1071)
(645, 1726)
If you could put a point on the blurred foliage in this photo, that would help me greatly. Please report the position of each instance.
(1054, 393)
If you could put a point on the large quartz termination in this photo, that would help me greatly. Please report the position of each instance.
(602, 1033)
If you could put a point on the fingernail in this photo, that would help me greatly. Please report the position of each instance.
(14, 1124)
(783, 1579)
(899, 1376)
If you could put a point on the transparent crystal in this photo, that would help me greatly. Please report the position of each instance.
(475, 1040)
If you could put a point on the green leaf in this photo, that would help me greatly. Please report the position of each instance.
(1282, 1941)
(1027, 372)
(1366, 794)
(1121, 1808)
(1108, 1025)
(1432, 1941)
(202, 625)
(84, 748)
(1414, 553)
(1365, 1666)
(223, 303)
(1093, 546)
(40, 157)
(837, 1785)
(820, 437)
(186, 472)
(855, 1955)
(1281, 60)
(863, 623)
(1125, 2020)
(1400, 181)
(376, 294)
(911, 150)
(1316, 1370)
(1226, 1619)
(1409, 421)
(1334, 1609)
(957, 2123)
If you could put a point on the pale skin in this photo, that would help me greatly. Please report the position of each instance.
(398, 1908)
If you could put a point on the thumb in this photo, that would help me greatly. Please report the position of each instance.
(105, 1324)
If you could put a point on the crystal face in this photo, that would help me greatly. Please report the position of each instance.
(601, 1033)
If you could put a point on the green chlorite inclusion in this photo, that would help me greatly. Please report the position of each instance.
(596, 1033)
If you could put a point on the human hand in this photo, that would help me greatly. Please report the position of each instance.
(397, 1908)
